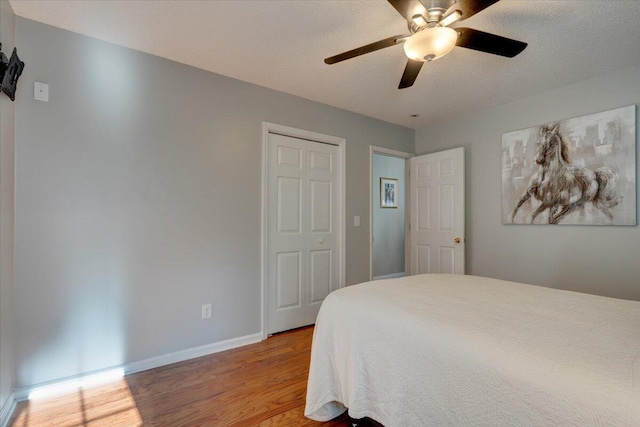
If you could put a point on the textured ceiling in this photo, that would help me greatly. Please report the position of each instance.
(282, 44)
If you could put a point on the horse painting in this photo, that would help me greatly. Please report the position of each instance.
(562, 188)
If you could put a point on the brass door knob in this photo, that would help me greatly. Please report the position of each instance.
(457, 240)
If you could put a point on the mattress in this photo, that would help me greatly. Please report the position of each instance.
(452, 350)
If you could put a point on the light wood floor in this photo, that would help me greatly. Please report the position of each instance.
(261, 384)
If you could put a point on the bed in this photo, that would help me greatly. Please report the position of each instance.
(453, 350)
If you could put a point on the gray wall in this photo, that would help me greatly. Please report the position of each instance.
(598, 259)
(138, 200)
(388, 224)
(7, 145)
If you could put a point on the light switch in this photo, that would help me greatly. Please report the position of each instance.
(356, 221)
(41, 91)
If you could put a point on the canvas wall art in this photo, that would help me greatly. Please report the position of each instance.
(575, 171)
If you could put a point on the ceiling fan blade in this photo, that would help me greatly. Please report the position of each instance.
(490, 43)
(410, 73)
(391, 41)
(468, 8)
(409, 8)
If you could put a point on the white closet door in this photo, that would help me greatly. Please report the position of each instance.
(436, 234)
(302, 240)
(322, 219)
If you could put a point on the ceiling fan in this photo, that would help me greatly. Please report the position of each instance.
(431, 37)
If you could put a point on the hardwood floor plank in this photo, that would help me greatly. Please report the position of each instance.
(261, 384)
(295, 417)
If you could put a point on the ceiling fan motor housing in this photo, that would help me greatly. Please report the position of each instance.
(436, 9)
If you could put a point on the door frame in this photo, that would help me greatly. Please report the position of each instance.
(390, 153)
(268, 128)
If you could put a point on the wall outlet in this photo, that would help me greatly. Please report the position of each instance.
(206, 311)
(356, 221)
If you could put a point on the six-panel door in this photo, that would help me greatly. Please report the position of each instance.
(302, 222)
(436, 234)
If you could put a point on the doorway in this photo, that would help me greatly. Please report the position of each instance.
(388, 224)
(303, 225)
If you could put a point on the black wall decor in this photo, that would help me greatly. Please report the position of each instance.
(10, 71)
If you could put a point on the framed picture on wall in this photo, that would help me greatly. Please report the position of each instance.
(388, 193)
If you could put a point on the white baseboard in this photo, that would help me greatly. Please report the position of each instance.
(7, 410)
(22, 394)
(389, 276)
(191, 353)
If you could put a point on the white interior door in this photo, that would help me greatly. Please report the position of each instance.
(436, 220)
(302, 222)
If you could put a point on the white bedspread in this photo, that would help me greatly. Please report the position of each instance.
(444, 350)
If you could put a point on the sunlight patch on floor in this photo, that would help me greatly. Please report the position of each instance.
(102, 399)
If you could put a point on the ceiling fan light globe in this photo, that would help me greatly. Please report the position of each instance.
(430, 43)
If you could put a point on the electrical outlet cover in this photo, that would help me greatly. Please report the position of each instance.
(206, 311)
